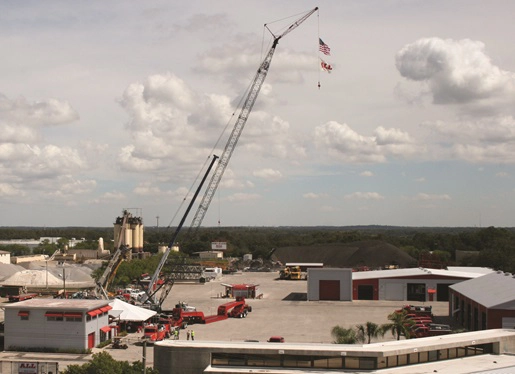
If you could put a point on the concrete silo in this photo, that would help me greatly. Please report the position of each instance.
(131, 234)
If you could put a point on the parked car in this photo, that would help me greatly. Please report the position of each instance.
(276, 339)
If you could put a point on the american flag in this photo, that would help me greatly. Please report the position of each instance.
(324, 48)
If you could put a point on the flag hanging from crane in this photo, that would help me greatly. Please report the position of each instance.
(324, 48)
(325, 66)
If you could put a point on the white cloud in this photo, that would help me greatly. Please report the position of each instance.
(456, 71)
(109, 197)
(172, 124)
(366, 173)
(502, 174)
(149, 189)
(8, 190)
(340, 141)
(47, 112)
(425, 197)
(243, 197)
(268, 174)
(364, 196)
(314, 196)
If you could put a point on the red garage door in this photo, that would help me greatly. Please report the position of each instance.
(91, 340)
(329, 289)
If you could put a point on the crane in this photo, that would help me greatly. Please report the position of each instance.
(247, 106)
(115, 262)
(150, 291)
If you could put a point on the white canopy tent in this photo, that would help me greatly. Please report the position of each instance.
(128, 312)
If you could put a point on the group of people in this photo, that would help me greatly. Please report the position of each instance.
(189, 334)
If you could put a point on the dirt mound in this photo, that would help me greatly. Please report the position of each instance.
(372, 253)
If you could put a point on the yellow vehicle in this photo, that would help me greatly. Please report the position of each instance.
(291, 272)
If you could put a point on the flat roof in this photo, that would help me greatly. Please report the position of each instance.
(304, 264)
(382, 349)
(410, 272)
(481, 364)
(69, 304)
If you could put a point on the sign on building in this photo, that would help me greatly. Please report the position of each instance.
(218, 246)
(28, 368)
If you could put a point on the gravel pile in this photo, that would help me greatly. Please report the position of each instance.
(7, 270)
(37, 276)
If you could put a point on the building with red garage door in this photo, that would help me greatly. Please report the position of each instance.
(61, 324)
(330, 284)
(484, 303)
(411, 284)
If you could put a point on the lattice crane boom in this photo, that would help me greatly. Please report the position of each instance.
(256, 85)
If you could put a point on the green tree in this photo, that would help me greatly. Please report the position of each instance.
(103, 363)
(46, 248)
(16, 249)
(368, 331)
(400, 324)
(342, 335)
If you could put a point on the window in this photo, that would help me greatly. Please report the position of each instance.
(403, 360)
(352, 362)
(73, 316)
(392, 361)
(327, 362)
(367, 363)
(55, 318)
(24, 315)
(293, 361)
(229, 359)
(263, 360)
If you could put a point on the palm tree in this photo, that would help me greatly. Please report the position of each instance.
(368, 331)
(400, 324)
(343, 336)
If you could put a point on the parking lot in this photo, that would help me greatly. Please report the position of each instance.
(282, 311)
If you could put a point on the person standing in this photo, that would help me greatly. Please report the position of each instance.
(192, 335)
(188, 335)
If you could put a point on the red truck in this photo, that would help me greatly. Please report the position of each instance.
(156, 332)
(236, 309)
(22, 297)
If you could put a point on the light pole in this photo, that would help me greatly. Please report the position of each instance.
(46, 263)
(64, 279)
(144, 362)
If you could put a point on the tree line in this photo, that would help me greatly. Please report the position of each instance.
(490, 247)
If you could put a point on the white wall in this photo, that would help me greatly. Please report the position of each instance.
(5, 258)
(343, 275)
(37, 331)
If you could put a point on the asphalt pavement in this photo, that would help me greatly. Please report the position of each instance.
(283, 310)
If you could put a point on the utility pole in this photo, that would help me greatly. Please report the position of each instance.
(144, 356)
(64, 281)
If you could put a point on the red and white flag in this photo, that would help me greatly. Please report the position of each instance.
(325, 66)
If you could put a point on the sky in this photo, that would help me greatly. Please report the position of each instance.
(106, 106)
